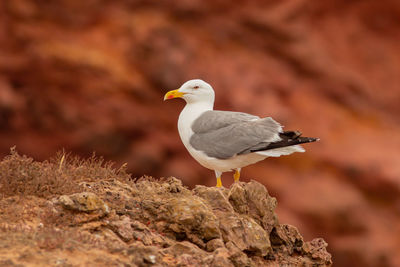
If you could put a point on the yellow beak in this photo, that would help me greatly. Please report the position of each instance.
(173, 94)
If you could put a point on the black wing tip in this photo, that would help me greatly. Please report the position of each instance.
(302, 140)
(288, 142)
(309, 139)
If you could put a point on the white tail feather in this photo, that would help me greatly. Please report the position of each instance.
(282, 151)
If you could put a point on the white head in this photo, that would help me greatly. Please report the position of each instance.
(193, 91)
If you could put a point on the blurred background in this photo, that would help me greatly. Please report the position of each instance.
(90, 76)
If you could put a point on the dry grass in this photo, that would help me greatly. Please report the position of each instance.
(21, 175)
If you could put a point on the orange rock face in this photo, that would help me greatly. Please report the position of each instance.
(90, 76)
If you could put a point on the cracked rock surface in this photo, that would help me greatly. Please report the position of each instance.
(153, 223)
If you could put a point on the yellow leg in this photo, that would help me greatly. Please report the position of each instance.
(236, 176)
(219, 183)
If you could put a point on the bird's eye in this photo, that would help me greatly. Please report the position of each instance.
(196, 87)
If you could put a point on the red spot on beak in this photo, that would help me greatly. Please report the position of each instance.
(170, 97)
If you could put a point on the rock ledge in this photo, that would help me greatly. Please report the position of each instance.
(153, 223)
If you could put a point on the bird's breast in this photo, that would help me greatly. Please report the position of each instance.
(186, 119)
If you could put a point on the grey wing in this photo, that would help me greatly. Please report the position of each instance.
(215, 119)
(236, 138)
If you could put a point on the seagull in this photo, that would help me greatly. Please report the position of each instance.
(225, 140)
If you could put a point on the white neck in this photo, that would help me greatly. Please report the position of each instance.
(188, 115)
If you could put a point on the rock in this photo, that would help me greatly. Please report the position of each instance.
(192, 216)
(151, 223)
(185, 247)
(316, 249)
(141, 255)
(221, 258)
(238, 257)
(287, 236)
(68, 202)
(123, 228)
(253, 199)
(86, 202)
(241, 230)
(187, 254)
(215, 197)
(89, 206)
(214, 244)
(8, 263)
(237, 197)
(245, 233)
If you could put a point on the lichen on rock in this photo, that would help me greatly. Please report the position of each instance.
(86, 201)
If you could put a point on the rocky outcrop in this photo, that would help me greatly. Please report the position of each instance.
(119, 222)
